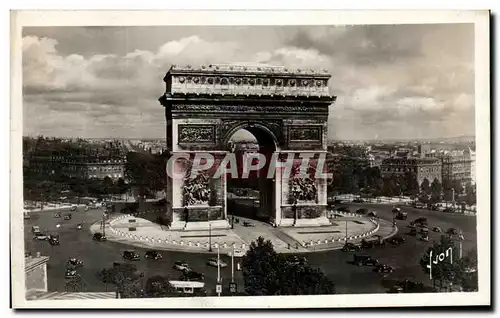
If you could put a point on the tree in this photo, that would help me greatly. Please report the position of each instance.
(158, 286)
(389, 189)
(449, 268)
(470, 194)
(436, 190)
(267, 273)
(125, 279)
(412, 187)
(457, 186)
(425, 187)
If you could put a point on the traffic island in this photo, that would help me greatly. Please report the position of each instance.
(136, 231)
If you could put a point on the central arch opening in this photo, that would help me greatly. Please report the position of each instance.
(252, 196)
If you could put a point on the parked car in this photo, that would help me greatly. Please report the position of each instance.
(358, 201)
(79, 226)
(35, 229)
(382, 268)
(26, 216)
(424, 238)
(351, 247)
(153, 255)
(181, 266)
(364, 260)
(248, 224)
(372, 214)
(397, 240)
(362, 211)
(413, 232)
(437, 229)
(74, 263)
(449, 210)
(344, 209)
(131, 256)
(68, 216)
(192, 276)
(213, 262)
(99, 237)
(424, 230)
(70, 273)
(57, 215)
(73, 208)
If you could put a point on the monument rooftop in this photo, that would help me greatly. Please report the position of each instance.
(247, 80)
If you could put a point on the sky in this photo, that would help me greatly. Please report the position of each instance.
(391, 81)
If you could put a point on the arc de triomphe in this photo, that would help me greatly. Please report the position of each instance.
(286, 110)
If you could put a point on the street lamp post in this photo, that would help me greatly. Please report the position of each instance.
(294, 208)
(346, 231)
(209, 236)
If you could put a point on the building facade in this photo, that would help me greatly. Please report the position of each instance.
(457, 165)
(422, 168)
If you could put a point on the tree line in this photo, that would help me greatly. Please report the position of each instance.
(355, 179)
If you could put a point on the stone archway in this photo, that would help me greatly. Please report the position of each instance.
(285, 109)
(268, 145)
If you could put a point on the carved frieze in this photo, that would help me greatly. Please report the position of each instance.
(197, 108)
(196, 133)
(305, 133)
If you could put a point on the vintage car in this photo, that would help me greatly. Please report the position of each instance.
(54, 240)
(74, 263)
(397, 240)
(131, 256)
(382, 268)
(351, 247)
(41, 236)
(181, 266)
(70, 273)
(153, 255)
(364, 260)
(99, 237)
(214, 261)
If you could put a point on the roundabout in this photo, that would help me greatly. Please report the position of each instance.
(136, 230)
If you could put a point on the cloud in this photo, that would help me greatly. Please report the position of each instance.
(389, 80)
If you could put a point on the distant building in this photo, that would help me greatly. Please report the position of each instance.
(52, 158)
(457, 165)
(473, 166)
(422, 168)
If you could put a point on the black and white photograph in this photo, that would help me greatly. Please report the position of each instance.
(211, 163)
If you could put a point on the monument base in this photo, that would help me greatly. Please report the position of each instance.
(320, 221)
(200, 226)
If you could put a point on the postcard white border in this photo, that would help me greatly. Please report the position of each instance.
(317, 17)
